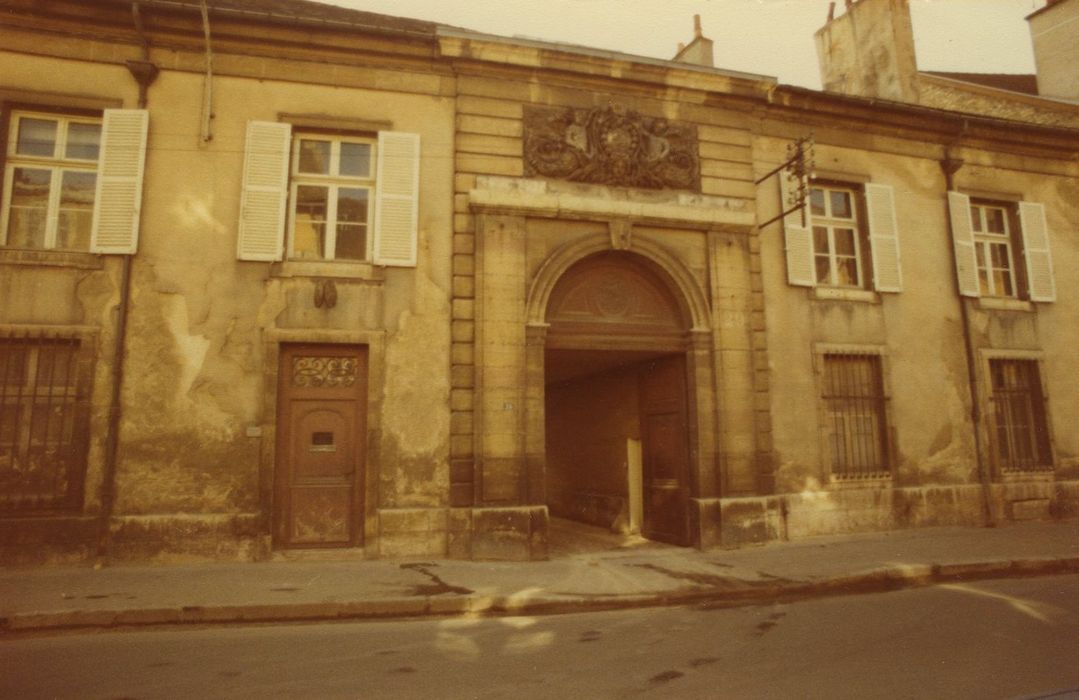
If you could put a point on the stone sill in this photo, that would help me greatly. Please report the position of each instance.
(40, 257)
(1004, 304)
(356, 271)
(845, 294)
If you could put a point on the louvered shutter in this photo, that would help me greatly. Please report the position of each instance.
(966, 264)
(118, 197)
(265, 191)
(1036, 251)
(397, 198)
(883, 238)
(798, 238)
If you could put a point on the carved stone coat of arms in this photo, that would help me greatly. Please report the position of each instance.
(610, 146)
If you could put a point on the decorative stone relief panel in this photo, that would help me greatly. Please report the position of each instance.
(610, 146)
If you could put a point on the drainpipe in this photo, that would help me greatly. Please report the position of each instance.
(951, 166)
(144, 72)
(112, 437)
(206, 133)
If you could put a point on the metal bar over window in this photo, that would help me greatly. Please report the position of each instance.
(854, 400)
(43, 405)
(1019, 409)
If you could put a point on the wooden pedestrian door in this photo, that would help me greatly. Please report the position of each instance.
(665, 450)
(321, 426)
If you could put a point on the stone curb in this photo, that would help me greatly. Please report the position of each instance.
(748, 593)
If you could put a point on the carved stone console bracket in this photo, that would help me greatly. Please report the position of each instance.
(610, 146)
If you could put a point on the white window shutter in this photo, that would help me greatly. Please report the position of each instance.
(1036, 251)
(118, 197)
(883, 238)
(397, 198)
(265, 191)
(966, 264)
(798, 237)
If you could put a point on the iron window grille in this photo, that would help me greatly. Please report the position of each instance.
(1022, 434)
(853, 394)
(44, 417)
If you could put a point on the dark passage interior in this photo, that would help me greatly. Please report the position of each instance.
(598, 407)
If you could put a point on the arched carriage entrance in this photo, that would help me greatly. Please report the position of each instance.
(615, 398)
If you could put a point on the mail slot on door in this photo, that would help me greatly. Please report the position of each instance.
(322, 442)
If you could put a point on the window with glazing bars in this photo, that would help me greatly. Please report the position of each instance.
(1022, 436)
(854, 401)
(43, 426)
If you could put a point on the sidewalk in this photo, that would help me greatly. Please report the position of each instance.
(35, 599)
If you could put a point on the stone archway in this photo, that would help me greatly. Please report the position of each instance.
(617, 413)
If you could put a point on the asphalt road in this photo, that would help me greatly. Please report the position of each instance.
(998, 639)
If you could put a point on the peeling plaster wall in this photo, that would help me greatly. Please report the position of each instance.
(919, 330)
(197, 436)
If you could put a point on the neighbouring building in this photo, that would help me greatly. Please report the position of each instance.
(277, 275)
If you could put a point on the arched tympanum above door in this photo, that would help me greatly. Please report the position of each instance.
(615, 299)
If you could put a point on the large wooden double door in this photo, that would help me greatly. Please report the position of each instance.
(664, 448)
(321, 428)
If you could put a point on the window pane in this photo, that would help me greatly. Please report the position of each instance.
(998, 253)
(994, 220)
(847, 272)
(29, 205)
(352, 205)
(816, 202)
(314, 157)
(13, 366)
(976, 218)
(351, 242)
(309, 228)
(820, 240)
(979, 254)
(356, 159)
(54, 367)
(37, 137)
(823, 270)
(83, 141)
(76, 210)
(844, 241)
(1002, 280)
(841, 204)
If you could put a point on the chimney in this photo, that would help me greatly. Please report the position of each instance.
(1054, 33)
(869, 51)
(699, 51)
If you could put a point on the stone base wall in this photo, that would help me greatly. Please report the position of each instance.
(412, 532)
(188, 537)
(48, 540)
(732, 522)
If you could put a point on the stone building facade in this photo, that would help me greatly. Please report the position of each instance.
(310, 278)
